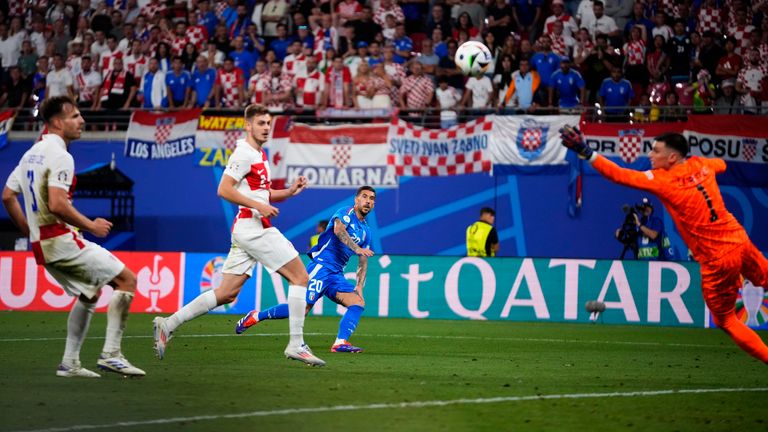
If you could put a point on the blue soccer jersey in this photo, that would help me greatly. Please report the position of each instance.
(330, 251)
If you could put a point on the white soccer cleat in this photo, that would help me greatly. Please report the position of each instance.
(116, 362)
(162, 336)
(75, 371)
(303, 354)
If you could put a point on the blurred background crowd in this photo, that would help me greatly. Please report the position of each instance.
(631, 57)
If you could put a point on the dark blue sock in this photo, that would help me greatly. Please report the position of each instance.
(275, 312)
(349, 321)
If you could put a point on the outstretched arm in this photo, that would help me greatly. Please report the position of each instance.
(573, 139)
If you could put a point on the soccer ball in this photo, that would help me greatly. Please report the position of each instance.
(473, 58)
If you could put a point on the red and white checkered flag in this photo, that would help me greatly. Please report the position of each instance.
(630, 144)
(461, 149)
(163, 128)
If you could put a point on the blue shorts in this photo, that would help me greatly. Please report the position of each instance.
(325, 282)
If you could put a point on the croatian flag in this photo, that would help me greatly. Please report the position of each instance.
(332, 157)
(163, 135)
(529, 145)
(6, 121)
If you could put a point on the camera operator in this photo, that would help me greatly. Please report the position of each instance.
(642, 233)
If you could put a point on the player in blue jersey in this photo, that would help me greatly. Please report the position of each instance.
(347, 234)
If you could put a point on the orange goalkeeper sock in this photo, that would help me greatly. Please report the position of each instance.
(744, 336)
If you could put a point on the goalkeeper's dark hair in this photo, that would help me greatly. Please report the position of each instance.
(365, 188)
(487, 210)
(54, 106)
(254, 110)
(674, 141)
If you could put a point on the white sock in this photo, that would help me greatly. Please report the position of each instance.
(199, 306)
(339, 341)
(117, 315)
(297, 306)
(77, 327)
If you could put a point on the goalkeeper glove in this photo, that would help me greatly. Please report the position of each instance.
(573, 139)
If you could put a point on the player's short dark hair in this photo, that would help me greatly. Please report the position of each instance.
(254, 110)
(365, 188)
(177, 58)
(54, 106)
(487, 210)
(674, 141)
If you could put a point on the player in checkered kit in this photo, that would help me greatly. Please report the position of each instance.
(45, 177)
(689, 191)
(246, 182)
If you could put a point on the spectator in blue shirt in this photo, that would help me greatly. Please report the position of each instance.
(527, 15)
(545, 61)
(243, 59)
(253, 42)
(153, 89)
(403, 44)
(203, 80)
(280, 44)
(179, 84)
(208, 18)
(638, 18)
(615, 95)
(568, 84)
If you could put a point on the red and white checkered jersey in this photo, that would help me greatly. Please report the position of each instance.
(250, 168)
(325, 39)
(309, 89)
(562, 45)
(136, 65)
(108, 60)
(731, 9)
(197, 35)
(336, 82)
(230, 83)
(741, 34)
(348, 9)
(710, 19)
(396, 73)
(380, 17)
(45, 165)
(178, 43)
(257, 85)
(751, 77)
(635, 52)
(295, 64)
(86, 84)
(150, 10)
(570, 27)
(419, 91)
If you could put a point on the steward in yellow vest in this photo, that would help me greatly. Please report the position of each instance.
(482, 238)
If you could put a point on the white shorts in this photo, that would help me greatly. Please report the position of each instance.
(86, 271)
(267, 246)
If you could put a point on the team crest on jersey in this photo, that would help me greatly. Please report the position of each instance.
(342, 150)
(532, 139)
(750, 149)
(630, 144)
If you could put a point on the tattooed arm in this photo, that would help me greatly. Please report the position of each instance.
(341, 232)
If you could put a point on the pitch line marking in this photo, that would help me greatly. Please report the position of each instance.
(397, 405)
(483, 338)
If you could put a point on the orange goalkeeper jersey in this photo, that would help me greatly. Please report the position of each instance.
(692, 197)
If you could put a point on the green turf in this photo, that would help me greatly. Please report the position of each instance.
(405, 361)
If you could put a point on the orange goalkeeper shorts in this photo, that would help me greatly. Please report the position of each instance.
(721, 278)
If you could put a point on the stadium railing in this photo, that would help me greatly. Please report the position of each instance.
(106, 121)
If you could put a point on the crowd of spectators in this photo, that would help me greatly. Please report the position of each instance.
(549, 56)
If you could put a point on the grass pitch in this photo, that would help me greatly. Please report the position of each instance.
(415, 375)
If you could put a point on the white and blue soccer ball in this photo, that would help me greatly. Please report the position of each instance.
(473, 58)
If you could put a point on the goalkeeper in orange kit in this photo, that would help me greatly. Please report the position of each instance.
(688, 189)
